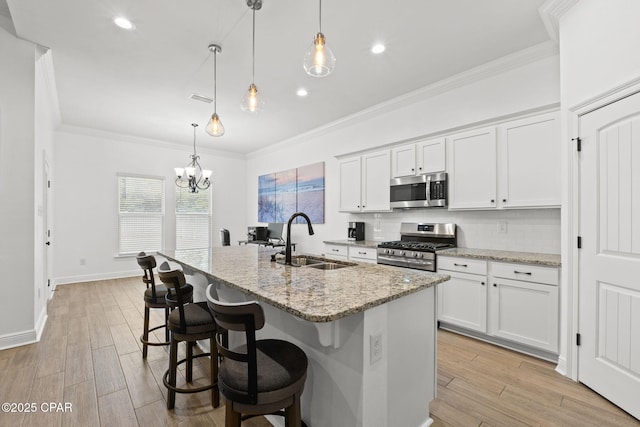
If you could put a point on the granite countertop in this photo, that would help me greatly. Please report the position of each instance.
(311, 294)
(361, 243)
(551, 260)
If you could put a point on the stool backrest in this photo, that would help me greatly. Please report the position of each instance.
(173, 279)
(148, 263)
(245, 317)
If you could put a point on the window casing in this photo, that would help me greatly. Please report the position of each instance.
(140, 214)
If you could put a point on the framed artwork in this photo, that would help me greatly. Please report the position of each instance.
(284, 193)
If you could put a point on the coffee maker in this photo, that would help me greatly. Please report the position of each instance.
(355, 231)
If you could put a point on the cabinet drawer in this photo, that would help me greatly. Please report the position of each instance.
(336, 251)
(368, 254)
(525, 272)
(463, 265)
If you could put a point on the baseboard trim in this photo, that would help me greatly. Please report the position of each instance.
(41, 323)
(95, 277)
(562, 366)
(18, 339)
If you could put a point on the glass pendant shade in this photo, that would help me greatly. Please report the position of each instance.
(252, 101)
(179, 172)
(319, 61)
(215, 127)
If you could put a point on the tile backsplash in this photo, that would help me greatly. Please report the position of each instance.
(526, 230)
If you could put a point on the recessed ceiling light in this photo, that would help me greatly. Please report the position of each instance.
(302, 92)
(123, 23)
(378, 48)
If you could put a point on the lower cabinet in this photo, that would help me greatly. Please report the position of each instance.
(351, 252)
(515, 303)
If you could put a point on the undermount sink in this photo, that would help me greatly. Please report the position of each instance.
(328, 266)
(303, 260)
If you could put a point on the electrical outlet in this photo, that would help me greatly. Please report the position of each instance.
(502, 227)
(375, 347)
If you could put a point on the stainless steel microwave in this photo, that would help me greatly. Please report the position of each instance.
(420, 191)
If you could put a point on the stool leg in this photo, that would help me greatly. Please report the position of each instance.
(215, 393)
(189, 361)
(166, 330)
(145, 332)
(173, 367)
(231, 417)
(293, 417)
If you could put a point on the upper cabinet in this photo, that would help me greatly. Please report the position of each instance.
(514, 165)
(471, 164)
(421, 157)
(364, 182)
(529, 162)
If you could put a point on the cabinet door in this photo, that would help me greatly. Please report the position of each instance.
(376, 177)
(430, 156)
(350, 182)
(462, 301)
(529, 162)
(471, 164)
(524, 312)
(403, 161)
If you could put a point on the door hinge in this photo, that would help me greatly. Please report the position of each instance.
(49, 184)
(438, 327)
(578, 340)
(578, 143)
(48, 283)
(579, 242)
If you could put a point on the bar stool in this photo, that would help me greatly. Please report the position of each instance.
(261, 376)
(188, 322)
(154, 297)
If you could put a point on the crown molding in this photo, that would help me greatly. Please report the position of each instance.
(550, 13)
(481, 72)
(103, 134)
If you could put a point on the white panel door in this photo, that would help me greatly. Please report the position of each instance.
(462, 301)
(403, 161)
(430, 156)
(350, 176)
(376, 176)
(609, 285)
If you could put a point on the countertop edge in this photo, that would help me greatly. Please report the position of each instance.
(504, 256)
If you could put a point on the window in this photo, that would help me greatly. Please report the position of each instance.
(141, 214)
(193, 219)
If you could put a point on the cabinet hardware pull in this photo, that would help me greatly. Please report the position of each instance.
(335, 250)
(482, 283)
(504, 200)
(460, 265)
(412, 169)
(528, 273)
(495, 286)
(493, 201)
(420, 168)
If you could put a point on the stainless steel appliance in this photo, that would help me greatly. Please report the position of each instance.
(355, 231)
(417, 245)
(421, 191)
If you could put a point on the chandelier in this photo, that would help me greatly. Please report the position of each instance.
(196, 178)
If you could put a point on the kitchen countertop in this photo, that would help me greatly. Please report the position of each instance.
(311, 294)
(551, 260)
(361, 243)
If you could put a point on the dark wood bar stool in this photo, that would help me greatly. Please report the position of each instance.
(259, 377)
(188, 322)
(154, 297)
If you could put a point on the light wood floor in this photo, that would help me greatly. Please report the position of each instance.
(90, 356)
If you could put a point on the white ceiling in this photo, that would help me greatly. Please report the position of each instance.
(138, 82)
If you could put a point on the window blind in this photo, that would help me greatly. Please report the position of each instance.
(193, 219)
(141, 214)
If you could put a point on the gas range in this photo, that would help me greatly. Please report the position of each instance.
(417, 245)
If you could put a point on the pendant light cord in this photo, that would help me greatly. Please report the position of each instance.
(215, 80)
(253, 48)
(320, 16)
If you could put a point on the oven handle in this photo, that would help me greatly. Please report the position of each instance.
(428, 190)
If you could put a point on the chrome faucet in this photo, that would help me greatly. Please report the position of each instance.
(287, 253)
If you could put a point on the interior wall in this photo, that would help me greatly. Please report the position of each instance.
(16, 190)
(597, 42)
(86, 208)
(520, 89)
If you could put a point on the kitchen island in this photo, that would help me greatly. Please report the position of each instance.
(369, 331)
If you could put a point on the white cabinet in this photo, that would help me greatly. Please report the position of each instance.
(350, 252)
(514, 165)
(512, 303)
(529, 162)
(524, 311)
(415, 159)
(462, 300)
(364, 183)
(339, 252)
(471, 164)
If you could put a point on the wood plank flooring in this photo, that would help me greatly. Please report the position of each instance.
(90, 356)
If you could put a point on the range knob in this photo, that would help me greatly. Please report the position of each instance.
(402, 253)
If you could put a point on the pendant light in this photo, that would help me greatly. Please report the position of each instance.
(196, 178)
(252, 101)
(215, 127)
(319, 60)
